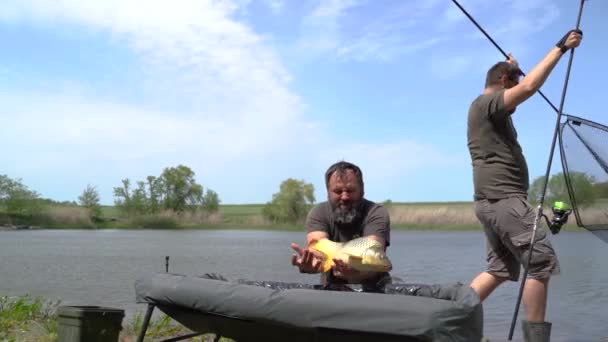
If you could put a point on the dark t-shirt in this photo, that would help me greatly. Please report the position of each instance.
(373, 221)
(499, 166)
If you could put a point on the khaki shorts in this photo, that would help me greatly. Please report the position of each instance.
(508, 224)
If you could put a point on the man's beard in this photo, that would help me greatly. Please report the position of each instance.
(347, 216)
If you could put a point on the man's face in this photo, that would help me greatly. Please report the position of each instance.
(345, 195)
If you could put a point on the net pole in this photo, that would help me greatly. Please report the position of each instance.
(546, 181)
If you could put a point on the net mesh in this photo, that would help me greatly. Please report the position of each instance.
(584, 154)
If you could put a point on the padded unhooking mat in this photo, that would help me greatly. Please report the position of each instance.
(260, 311)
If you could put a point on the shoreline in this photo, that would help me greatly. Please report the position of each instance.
(277, 227)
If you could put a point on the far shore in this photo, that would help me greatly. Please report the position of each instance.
(432, 216)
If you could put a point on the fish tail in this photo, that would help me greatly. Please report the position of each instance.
(328, 249)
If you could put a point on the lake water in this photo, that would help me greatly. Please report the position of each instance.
(99, 267)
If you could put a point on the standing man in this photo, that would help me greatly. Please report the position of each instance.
(346, 215)
(500, 177)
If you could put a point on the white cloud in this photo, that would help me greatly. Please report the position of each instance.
(347, 31)
(232, 86)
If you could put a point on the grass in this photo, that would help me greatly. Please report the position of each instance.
(27, 318)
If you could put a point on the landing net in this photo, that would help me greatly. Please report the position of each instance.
(584, 153)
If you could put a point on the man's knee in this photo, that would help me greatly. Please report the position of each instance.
(543, 263)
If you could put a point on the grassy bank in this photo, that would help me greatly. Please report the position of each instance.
(404, 216)
(26, 318)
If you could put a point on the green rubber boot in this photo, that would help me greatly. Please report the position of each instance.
(536, 332)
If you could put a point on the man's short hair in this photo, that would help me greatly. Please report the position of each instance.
(341, 167)
(502, 68)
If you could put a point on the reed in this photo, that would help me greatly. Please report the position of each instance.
(67, 216)
(432, 214)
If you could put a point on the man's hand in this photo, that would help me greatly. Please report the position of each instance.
(307, 260)
(511, 60)
(570, 40)
(574, 39)
(343, 270)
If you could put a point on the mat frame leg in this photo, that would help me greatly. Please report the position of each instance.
(146, 322)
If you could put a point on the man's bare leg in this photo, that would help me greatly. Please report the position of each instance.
(535, 299)
(485, 283)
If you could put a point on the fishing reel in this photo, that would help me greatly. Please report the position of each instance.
(561, 211)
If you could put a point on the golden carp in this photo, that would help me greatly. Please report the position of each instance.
(362, 254)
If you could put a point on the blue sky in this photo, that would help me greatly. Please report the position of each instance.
(248, 93)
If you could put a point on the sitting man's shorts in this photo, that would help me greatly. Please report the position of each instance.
(508, 225)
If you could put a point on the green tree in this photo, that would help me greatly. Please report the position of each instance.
(17, 199)
(126, 200)
(291, 203)
(90, 200)
(211, 201)
(582, 184)
(175, 189)
(154, 193)
(179, 189)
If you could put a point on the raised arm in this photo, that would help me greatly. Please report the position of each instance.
(536, 78)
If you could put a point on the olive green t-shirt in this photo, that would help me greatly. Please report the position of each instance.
(499, 166)
(374, 220)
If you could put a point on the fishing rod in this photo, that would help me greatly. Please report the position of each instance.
(548, 171)
(500, 49)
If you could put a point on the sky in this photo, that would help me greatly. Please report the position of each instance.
(248, 93)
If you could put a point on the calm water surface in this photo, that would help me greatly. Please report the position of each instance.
(84, 267)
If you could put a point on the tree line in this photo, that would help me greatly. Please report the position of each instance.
(176, 190)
